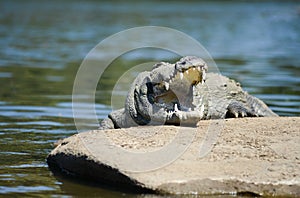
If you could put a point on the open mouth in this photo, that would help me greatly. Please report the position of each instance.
(167, 92)
(176, 93)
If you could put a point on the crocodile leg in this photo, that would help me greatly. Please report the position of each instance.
(259, 107)
(237, 109)
(107, 123)
(254, 107)
(117, 119)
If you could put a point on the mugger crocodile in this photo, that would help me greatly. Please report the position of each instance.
(183, 93)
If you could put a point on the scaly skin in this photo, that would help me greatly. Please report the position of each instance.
(182, 93)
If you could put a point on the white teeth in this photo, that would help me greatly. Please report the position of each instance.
(201, 110)
(170, 81)
(181, 75)
(167, 85)
(198, 68)
(187, 71)
(203, 76)
(194, 68)
(175, 107)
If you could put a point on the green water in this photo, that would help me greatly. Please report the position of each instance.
(42, 45)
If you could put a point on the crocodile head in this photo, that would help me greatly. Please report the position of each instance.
(156, 95)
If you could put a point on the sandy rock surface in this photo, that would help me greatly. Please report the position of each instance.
(257, 155)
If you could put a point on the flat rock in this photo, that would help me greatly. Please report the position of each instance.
(248, 155)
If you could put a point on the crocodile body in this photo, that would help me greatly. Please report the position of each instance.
(183, 93)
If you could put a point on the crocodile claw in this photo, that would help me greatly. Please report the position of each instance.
(237, 110)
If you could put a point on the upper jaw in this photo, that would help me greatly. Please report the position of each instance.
(190, 61)
(175, 93)
(166, 72)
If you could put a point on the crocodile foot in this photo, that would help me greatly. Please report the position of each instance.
(237, 109)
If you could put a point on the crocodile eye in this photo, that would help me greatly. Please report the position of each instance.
(183, 63)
